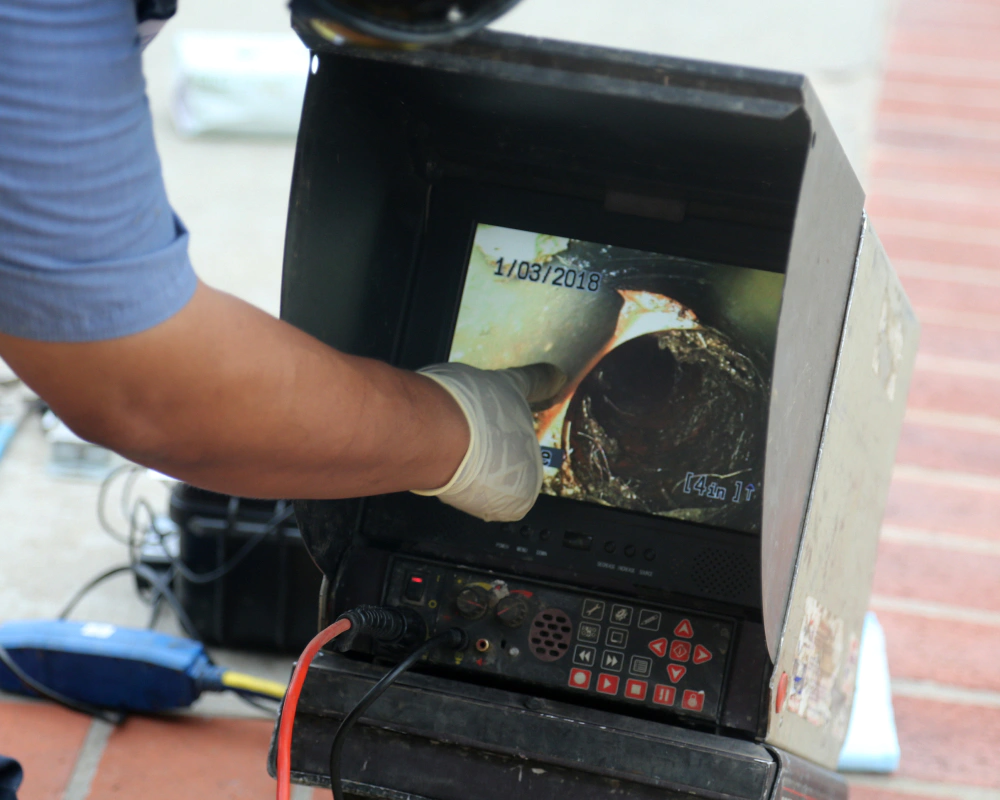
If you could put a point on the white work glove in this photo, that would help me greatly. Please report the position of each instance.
(501, 474)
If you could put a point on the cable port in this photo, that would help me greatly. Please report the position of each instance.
(482, 645)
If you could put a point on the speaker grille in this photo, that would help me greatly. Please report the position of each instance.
(723, 574)
(550, 634)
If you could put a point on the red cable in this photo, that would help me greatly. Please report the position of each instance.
(292, 701)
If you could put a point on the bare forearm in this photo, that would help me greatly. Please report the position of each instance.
(228, 398)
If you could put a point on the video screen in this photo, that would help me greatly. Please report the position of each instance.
(668, 363)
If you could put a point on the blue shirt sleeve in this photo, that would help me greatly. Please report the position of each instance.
(10, 778)
(89, 246)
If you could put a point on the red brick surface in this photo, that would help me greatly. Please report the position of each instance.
(940, 576)
(944, 651)
(956, 342)
(947, 14)
(948, 742)
(186, 757)
(964, 511)
(955, 394)
(45, 739)
(968, 297)
(940, 250)
(935, 201)
(952, 176)
(939, 447)
(869, 793)
(970, 104)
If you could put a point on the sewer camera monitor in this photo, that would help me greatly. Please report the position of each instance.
(680, 612)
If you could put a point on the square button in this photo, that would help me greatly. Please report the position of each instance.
(621, 615)
(579, 678)
(612, 660)
(680, 650)
(664, 695)
(607, 684)
(588, 632)
(593, 610)
(584, 656)
(693, 701)
(649, 620)
(617, 637)
(641, 666)
(635, 690)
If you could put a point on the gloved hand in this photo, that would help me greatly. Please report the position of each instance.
(501, 474)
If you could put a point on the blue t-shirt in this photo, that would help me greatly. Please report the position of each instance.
(89, 246)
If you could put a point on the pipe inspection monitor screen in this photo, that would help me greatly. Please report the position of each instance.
(668, 363)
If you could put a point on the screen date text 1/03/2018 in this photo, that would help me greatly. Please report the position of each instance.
(552, 274)
(711, 486)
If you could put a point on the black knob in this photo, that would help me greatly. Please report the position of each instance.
(513, 610)
(472, 602)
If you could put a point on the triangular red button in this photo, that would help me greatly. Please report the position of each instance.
(659, 646)
(701, 654)
(676, 672)
(684, 629)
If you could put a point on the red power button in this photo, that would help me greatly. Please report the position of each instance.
(415, 589)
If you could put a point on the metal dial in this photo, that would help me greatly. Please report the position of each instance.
(513, 610)
(473, 602)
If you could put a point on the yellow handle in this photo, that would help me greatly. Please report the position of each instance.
(248, 683)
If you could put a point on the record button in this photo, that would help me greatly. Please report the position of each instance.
(579, 678)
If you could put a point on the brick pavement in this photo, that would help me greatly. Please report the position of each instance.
(935, 200)
(934, 197)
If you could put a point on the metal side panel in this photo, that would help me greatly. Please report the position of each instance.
(441, 739)
(821, 263)
(813, 680)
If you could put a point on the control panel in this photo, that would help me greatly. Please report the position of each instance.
(598, 544)
(637, 653)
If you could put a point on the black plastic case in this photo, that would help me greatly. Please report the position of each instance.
(268, 600)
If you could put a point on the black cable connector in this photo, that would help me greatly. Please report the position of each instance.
(453, 638)
(396, 627)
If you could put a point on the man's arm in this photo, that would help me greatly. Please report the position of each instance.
(226, 397)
